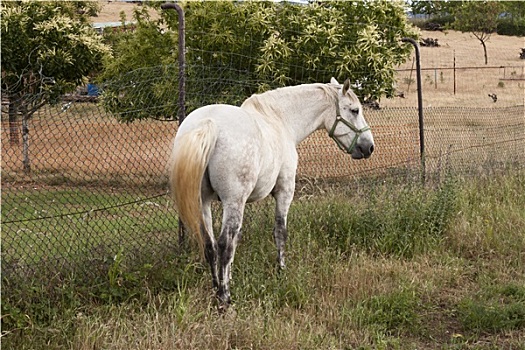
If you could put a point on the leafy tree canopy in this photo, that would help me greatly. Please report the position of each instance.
(48, 48)
(433, 7)
(237, 48)
(140, 80)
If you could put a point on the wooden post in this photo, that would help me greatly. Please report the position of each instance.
(454, 72)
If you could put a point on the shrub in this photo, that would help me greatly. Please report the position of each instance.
(511, 27)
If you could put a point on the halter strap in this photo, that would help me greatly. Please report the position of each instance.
(339, 119)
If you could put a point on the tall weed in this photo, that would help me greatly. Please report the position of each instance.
(402, 221)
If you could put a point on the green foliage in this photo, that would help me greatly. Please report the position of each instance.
(512, 21)
(444, 21)
(41, 286)
(392, 313)
(235, 49)
(479, 18)
(141, 80)
(514, 9)
(404, 224)
(48, 48)
(298, 44)
(436, 8)
(439, 211)
(512, 27)
(509, 15)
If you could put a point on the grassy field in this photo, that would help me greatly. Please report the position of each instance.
(387, 266)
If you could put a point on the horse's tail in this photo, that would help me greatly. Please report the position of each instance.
(188, 162)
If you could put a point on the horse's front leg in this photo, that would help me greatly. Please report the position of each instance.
(283, 195)
(230, 235)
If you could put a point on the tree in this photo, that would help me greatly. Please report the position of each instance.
(139, 81)
(479, 18)
(512, 19)
(48, 49)
(434, 7)
(235, 49)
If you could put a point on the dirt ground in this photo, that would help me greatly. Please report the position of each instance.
(87, 146)
(504, 75)
(110, 11)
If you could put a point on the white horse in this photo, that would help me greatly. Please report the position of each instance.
(243, 154)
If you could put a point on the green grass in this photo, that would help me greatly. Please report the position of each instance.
(54, 223)
(392, 266)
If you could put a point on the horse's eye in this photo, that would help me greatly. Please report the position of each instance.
(354, 111)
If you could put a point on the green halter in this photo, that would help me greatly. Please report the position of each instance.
(357, 131)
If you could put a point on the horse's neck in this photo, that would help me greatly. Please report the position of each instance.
(300, 109)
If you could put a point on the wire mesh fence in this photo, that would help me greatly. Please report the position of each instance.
(97, 185)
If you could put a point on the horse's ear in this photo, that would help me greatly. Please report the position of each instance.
(346, 86)
(334, 81)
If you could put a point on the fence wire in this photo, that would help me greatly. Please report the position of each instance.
(97, 185)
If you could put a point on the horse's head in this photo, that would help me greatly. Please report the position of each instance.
(348, 126)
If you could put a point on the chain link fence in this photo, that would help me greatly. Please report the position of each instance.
(97, 185)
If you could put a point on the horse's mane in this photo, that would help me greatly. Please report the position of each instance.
(272, 103)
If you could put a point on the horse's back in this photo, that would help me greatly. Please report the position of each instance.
(221, 115)
(236, 128)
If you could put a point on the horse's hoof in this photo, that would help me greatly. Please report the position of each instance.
(223, 308)
(280, 269)
(224, 302)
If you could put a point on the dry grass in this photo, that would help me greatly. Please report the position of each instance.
(472, 85)
(98, 148)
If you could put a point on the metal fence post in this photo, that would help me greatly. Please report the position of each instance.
(182, 83)
(182, 58)
(420, 106)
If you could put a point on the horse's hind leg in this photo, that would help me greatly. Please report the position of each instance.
(210, 245)
(283, 198)
(230, 234)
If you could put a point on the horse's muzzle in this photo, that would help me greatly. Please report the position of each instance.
(363, 151)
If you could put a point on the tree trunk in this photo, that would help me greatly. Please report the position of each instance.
(13, 127)
(25, 139)
(485, 52)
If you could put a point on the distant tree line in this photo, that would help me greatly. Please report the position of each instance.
(507, 17)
